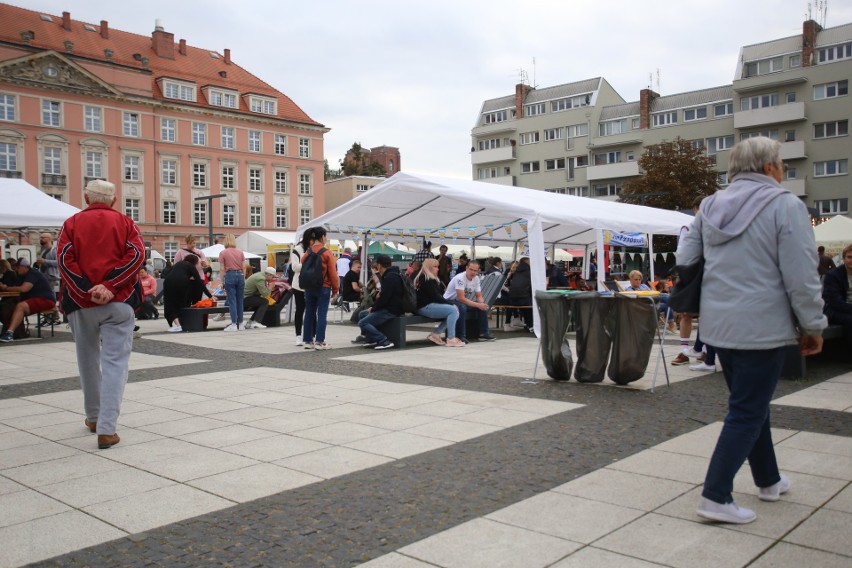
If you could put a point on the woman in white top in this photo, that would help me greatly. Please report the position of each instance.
(298, 294)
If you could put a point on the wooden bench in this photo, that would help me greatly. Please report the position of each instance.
(192, 319)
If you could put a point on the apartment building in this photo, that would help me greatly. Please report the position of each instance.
(793, 89)
(168, 123)
(341, 190)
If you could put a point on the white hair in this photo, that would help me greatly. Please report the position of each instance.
(100, 191)
(751, 154)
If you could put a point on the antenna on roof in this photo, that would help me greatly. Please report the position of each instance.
(534, 84)
(659, 88)
(522, 76)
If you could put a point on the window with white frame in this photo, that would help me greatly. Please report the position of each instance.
(199, 133)
(92, 119)
(697, 113)
(199, 213)
(487, 173)
(255, 179)
(94, 164)
(168, 172)
(255, 216)
(304, 216)
(228, 177)
(605, 158)
(304, 148)
(280, 145)
(494, 117)
(305, 184)
(8, 157)
(789, 136)
(280, 181)
(606, 189)
(763, 67)
(263, 105)
(554, 134)
(7, 107)
(831, 129)
(578, 130)
(611, 127)
(168, 130)
(131, 168)
(170, 213)
(222, 98)
(578, 161)
(759, 101)
(130, 122)
(723, 109)
(361, 187)
(529, 138)
(635, 123)
(831, 90)
(790, 173)
(554, 164)
(131, 209)
(582, 191)
(790, 97)
(170, 250)
(664, 118)
(835, 52)
(51, 113)
(722, 178)
(254, 140)
(228, 137)
(831, 168)
(178, 90)
(280, 217)
(535, 109)
(199, 174)
(771, 133)
(53, 160)
(795, 61)
(530, 167)
(832, 206)
(570, 102)
(720, 143)
(489, 144)
(229, 215)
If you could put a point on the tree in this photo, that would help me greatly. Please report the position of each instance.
(357, 162)
(675, 173)
(330, 173)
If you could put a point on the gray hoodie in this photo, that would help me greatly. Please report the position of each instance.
(760, 275)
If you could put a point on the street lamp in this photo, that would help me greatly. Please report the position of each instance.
(209, 199)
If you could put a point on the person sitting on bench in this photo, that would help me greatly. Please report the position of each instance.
(386, 307)
(350, 287)
(465, 293)
(256, 296)
(837, 294)
(432, 304)
(36, 296)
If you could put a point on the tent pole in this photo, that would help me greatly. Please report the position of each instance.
(651, 254)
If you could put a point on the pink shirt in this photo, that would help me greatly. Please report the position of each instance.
(231, 259)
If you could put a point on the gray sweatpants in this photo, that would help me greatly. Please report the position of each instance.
(104, 339)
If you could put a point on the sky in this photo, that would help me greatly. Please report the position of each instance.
(414, 74)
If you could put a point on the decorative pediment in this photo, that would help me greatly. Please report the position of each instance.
(52, 70)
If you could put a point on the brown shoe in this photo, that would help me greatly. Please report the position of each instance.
(681, 359)
(92, 426)
(106, 442)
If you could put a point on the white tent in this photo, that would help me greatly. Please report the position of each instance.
(212, 252)
(22, 205)
(257, 241)
(834, 234)
(406, 205)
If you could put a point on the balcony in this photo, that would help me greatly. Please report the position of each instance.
(502, 180)
(53, 179)
(795, 186)
(11, 174)
(790, 112)
(493, 155)
(793, 150)
(611, 171)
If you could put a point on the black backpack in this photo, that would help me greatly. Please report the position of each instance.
(409, 295)
(311, 277)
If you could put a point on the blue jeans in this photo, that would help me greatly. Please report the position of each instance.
(369, 323)
(751, 377)
(235, 285)
(316, 314)
(446, 312)
(461, 326)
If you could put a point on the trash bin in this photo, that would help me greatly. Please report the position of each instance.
(635, 326)
(554, 310)
(593, 322)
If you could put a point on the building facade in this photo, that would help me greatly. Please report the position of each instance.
(186, 134)
(340, 190)
(584, 139)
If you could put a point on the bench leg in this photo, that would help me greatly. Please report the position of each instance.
(395, 332)
(191, 320)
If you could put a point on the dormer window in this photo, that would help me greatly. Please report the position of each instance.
(178, 90)
(222, 97)
(264, 105)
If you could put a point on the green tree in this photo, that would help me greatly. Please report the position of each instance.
(357, 162)
(675, 173)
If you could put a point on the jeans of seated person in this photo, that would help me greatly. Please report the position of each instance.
(751, 376)
(257, 303)
(235, 285)
(316, 314)
(663, 307)
(369, 323)
(148, 310)
(461, 326)
(448, 315)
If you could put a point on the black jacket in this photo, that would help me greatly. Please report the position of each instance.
(390, 298)
(835, 286)
(429, 291)
(520, 286)
(184, 275)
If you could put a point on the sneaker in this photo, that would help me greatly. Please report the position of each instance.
(257, 325)
(232, 327)
(455, 342)
(702, 357)
(487, 338)
(727, 513)
(299, 342)
(360, 340)
(345, 306)
(7, 337)
(176, 328)
(221, 317)
(517, 323)
(435, 338)
(248, 325)
(384, 345)
(309, 345)
(508, 327)
(464, 340)
(690, 352)
(703, 367)
(322, 346)
(774, 492)
(681, 359)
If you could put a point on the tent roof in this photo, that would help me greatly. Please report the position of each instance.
(214, 250)
(28, 206)
(257, 241)
(836, 229)
(377, 247)
(491, 212)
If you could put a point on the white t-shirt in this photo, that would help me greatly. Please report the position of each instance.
(460, 282)
(343, 265)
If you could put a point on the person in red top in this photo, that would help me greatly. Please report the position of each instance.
(100, 252)
(317, 299)
(149, 293)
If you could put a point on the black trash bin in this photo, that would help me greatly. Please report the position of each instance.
(594, 322)
(554, 311)
(635, 326)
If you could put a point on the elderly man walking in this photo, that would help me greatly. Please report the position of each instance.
(100, 254)
(757, 224)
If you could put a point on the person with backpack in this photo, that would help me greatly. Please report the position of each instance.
(318, 278)
(387, 306)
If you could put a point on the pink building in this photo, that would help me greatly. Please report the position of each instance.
(166, 122)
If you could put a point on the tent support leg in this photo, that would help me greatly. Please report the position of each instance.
(531, 380)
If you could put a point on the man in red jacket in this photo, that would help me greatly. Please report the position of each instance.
(100, 253)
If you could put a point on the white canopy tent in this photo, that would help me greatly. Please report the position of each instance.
(834, 234)
(212, 252)
(257, 241)
(22, 205)
(408, 205)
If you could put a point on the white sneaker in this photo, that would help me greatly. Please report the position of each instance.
(517, 323)
(774, 492)
(690, 352)
(299, 342)
(221, 317)
(176, 328)
(232, 327)
(257, 325)
(727, 513)
(703, 367)
(508, 327)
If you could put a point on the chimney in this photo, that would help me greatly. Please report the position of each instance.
(162, 41)
(521, 92)
(646, 97)
(182, 47)
(810, 29)
(227, 56)
(104, 29)
(66, 21)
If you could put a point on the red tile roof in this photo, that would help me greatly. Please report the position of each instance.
(197, 65)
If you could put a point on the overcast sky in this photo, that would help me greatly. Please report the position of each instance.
(414, 74)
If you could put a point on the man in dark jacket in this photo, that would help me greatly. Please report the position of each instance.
(386, 307)
(837, 295)
(520, 291)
